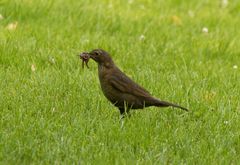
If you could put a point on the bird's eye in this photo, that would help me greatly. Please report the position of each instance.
(97, 53)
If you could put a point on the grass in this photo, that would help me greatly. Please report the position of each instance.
(53, 112)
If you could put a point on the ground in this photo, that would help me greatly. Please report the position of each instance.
(53, 112)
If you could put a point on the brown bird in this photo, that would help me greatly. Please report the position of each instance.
(119, 89)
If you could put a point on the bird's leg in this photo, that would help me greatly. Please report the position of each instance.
(124, 111)
(122, 116)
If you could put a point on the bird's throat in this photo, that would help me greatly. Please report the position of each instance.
(106, 65)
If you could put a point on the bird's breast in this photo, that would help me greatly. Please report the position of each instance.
(105, 75)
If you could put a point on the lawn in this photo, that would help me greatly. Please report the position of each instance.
(53, 112)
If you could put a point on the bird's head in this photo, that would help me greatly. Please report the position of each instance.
(101, 57)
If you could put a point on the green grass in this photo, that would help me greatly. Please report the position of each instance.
(57, 114)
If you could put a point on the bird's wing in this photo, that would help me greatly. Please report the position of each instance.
(124, 84)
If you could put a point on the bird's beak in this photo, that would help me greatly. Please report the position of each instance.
(91, 56)
(87, 55)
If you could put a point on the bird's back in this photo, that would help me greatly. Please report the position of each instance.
(119, 88)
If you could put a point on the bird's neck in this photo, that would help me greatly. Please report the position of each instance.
(104, 69)
(106, 65)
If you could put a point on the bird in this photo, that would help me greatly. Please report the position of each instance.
(121, 90)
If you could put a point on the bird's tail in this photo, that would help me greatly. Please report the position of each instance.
(160, 103)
